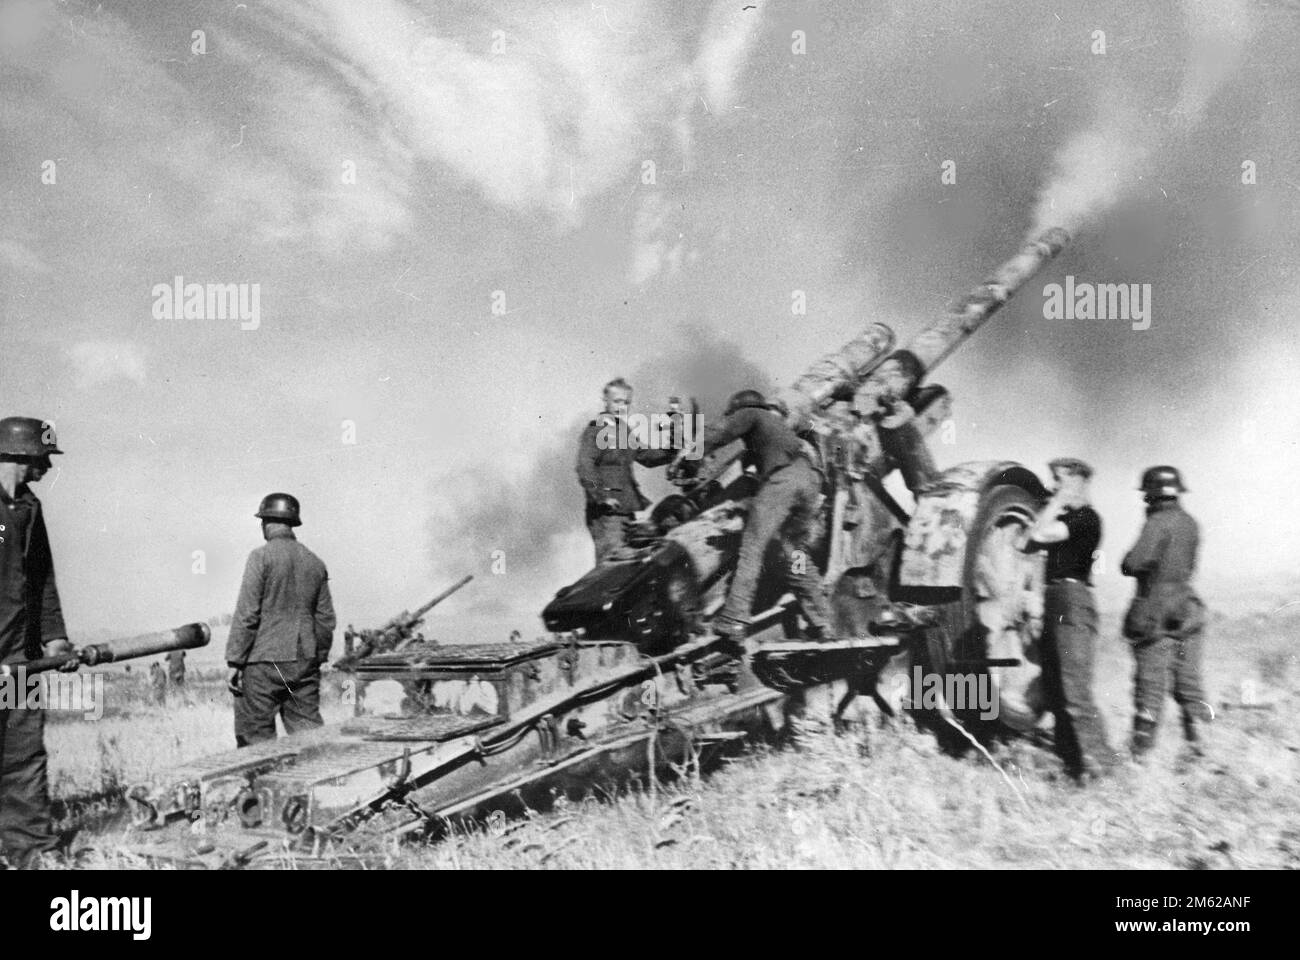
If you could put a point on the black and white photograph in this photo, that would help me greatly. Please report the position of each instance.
(650, 435)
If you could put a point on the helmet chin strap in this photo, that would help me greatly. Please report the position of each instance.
(11, 474)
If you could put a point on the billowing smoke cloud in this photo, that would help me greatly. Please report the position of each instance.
(536, 522)
(542, 106)
(1095, 168)
(1219, 32)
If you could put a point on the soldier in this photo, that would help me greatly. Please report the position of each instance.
(282, 630)
(605, 458)
(1164, 623)
(785, 505)
(31, 625)
(158, 683)
(888, 402)
(176, 669)
(1070, 530)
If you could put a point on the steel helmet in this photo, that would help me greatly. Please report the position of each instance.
(745, 398)
(1162, 482)
(27, 437)
(280, 507)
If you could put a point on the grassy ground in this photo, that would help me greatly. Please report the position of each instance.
(879, 795)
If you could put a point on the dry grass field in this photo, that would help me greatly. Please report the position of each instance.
(881, 795)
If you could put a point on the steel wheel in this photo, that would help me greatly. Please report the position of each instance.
(999, 616)
(1005, 598)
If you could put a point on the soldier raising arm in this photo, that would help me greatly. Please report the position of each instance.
(1070, 530)
(605, 457)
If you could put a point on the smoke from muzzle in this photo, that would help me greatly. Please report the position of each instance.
(1098, 165)
(1220, 30)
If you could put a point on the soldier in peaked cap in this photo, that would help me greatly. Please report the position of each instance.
(1069, 530)
(282, 630)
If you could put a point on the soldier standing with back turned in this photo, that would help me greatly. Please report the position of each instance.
(282, 630)
(1164, 622)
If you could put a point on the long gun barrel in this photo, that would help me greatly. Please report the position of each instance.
(838, 375)
(933, 344)
(709, 525)
(406, 621)
(837, 372)
(396, 631)
(189, 637)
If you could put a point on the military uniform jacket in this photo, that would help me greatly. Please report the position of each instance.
(769, 443)
(1163, 561)
(284, 612)
(30, 613)
(605, 466)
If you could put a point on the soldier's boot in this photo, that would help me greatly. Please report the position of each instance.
(1143, 739)
(1089, 770)
(1192, 734)
(820, 633)
(1100, 763)
(732, 633)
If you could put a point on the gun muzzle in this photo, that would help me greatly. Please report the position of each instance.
(188, 637)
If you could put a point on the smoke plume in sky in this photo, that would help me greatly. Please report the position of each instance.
(1124, 143)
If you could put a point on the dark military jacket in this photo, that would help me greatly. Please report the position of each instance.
(605, 466)
(1163, 561)
(1071, 558)
(1165, 552)
(769, 443)
(30, 613)
(284, 612)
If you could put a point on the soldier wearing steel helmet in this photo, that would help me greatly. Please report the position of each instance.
(282, 630)
(1166, 618)
(31, 625)
(784, 506)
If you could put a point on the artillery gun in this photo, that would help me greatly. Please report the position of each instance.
(945, 583)
(630, 676)
(393, 635)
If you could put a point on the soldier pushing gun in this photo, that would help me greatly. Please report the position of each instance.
(785, 506)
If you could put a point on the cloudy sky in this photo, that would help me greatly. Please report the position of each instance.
(638, 186)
